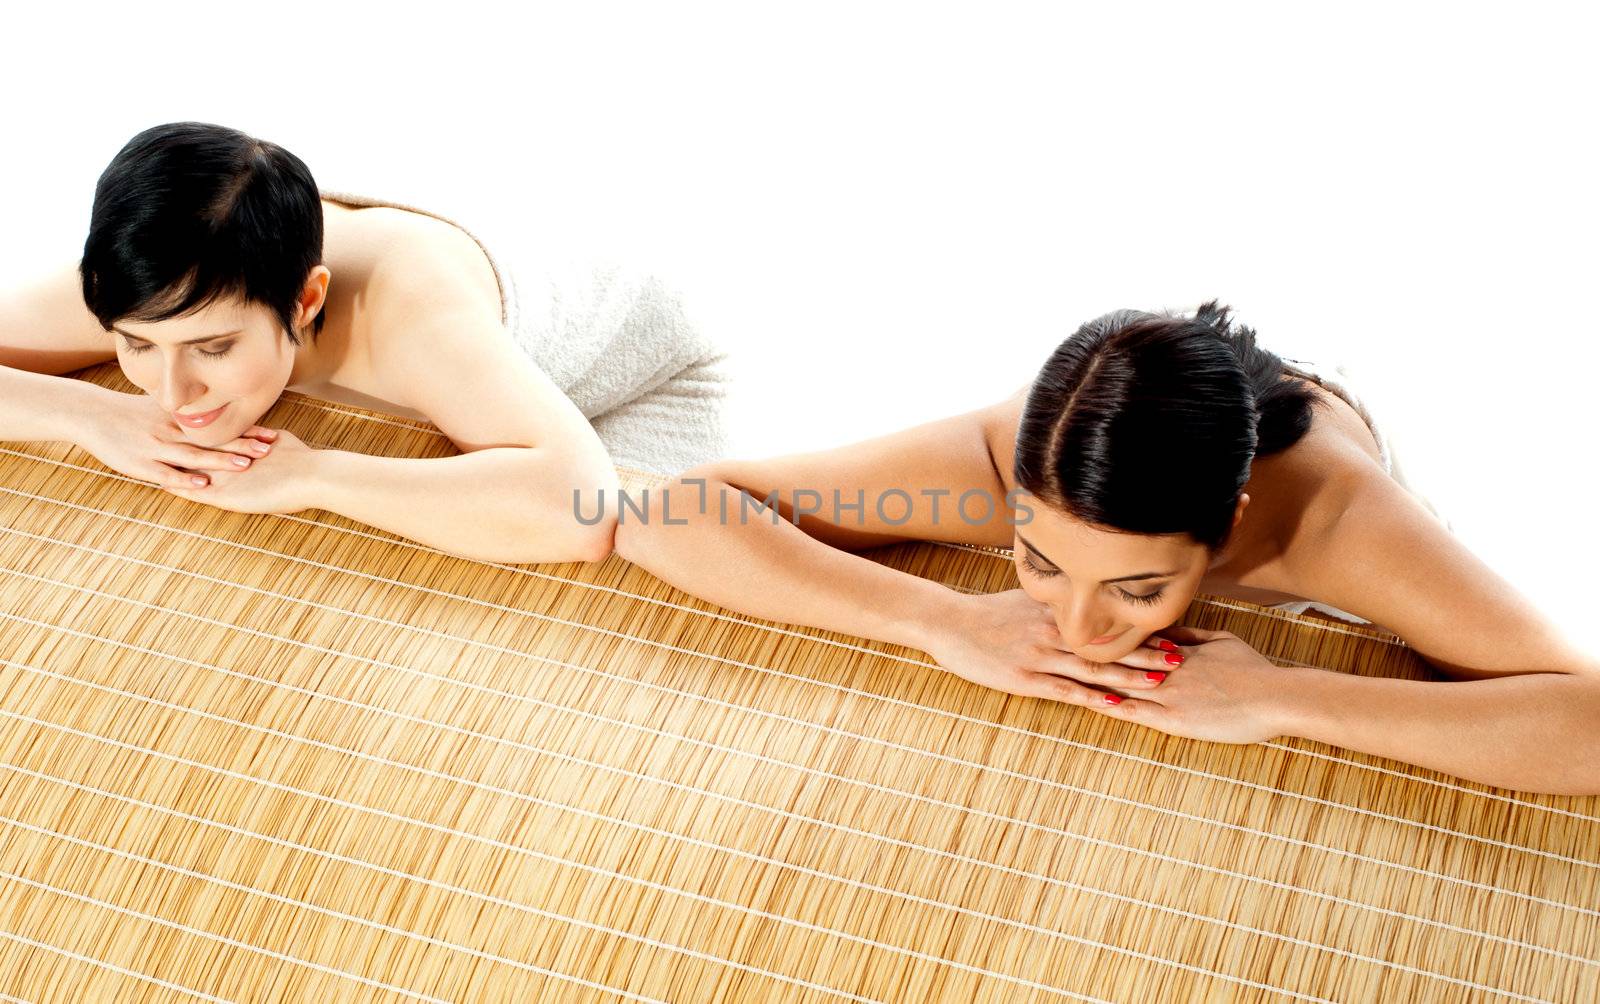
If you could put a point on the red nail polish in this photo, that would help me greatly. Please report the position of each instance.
(1174, 658)
(1167, 645)
(1154, 676)
(1113, 699)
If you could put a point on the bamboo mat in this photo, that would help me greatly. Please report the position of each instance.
(292, 758)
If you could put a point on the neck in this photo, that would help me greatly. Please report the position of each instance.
(305, 365)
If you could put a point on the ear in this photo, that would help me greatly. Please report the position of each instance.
(1238, 510)
(313, 295)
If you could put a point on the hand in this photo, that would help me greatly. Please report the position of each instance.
(279, 482)
(1009, 641)
(130, 434)
(1224, 691)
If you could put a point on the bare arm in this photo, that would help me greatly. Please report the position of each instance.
(36, 406)
(512, 504)
(526, 447)
(45, 327)
(46, 330)
(1529, 732)
(1524, 708)
(771, 568)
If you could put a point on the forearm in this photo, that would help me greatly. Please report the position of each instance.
(38, 406)
(774, 571)
(511, 504)
(1531, 732)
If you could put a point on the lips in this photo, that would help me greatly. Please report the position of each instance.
(1104, 639)
(199, 421)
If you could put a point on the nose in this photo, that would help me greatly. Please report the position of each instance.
(1079, 622)
(177, 387)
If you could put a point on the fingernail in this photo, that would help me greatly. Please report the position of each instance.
(1174, 658)
(1169, 646)
(242, 461)
(260, 447)
(1155, 676)
(1113, 699)
(199, 481)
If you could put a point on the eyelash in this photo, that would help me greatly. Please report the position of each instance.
(1050, 573)
(130, 347)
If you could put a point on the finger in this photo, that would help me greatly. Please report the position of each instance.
(244, 446)
(1059, 688)
(1108, 675)
(178, 479)
(1191, 636)
(197, 458)
(1150, 657)
(1070, 692)
(247, 445)
(1159, 643)
(261, 432)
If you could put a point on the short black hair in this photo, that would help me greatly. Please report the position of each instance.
(187, 213)
(1148, 423)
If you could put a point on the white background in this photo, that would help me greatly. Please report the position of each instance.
(893, 213)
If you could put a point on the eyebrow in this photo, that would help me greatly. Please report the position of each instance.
(191, 341)
(1123, 578)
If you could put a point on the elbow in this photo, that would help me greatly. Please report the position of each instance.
(585, 543)
(592, 536)
(678, 504)
(593, 528)
(574, 516)
(598, 542)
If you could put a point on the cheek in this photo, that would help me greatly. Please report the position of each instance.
(1031, 585)
(134, 368)
(1169, 611)
(243, 379)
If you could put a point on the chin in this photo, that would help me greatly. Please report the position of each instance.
(1121, 651)
(214, 434)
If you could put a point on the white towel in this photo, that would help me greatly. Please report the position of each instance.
(616, 341)
(620, 345)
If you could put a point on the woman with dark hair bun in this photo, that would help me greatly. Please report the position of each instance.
(1155, 457)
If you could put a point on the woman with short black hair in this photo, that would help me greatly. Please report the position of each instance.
(217, 274)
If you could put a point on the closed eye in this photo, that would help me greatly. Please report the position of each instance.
(1146, 598)
(1050, 573)
(137, 347)
(1043, 573)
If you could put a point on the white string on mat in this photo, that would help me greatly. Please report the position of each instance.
(803, 723)
(234, 942)
(658, 886)
(327, 911)
(103, 964)
(405, 542)
(1087, 747)
(672, 835)
(762, 625)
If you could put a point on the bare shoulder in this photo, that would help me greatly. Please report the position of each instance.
(46, 328)
(1000, 422)
(403, 262)
(407, 287)
(422, 309)
(1377, 552)
(911, 482)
